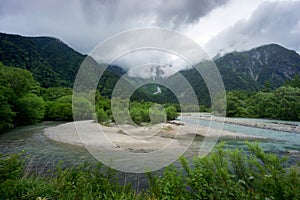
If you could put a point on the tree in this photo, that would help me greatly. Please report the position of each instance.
(6, 113)
(82, 109)
(295, 82)
(236, 104)
(288, 100)
(19, 80)
(101, 115)
(61, 109)
(30, 109)
(18, 104)
(263, 105)
(51, 94)
(171, 112)
(157, 114)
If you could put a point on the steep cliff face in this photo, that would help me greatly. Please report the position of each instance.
(252, 69)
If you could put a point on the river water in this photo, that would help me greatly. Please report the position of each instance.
(44, 154)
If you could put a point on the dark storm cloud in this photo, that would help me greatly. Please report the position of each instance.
(271, 22)
(170, 13)
(84, 23)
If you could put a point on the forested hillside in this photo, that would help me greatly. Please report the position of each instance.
(269, 64)
(52, 63)
(37, 74)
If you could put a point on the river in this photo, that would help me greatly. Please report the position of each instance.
(44, 154)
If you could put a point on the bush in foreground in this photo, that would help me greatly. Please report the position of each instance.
(224, 174)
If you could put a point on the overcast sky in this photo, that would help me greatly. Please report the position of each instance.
(216, 25)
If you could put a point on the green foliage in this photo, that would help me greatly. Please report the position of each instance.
(11, 167)
(51, 94)
(20, 81)
(157, 114)
(19, 103)
(6, 113)
(264, 105)
(171, 185)
(295, 82)
(146, 93)
(139, 113)
(102, 115)
(236, 104)
(82, 108)
(61, 109)
(154, 113)
(51, 62)
(288, 100)
(203, 108)
(82, 182)
(103, 109)
(224, 174)
(31, 109)
(283, 103)
(171, 112)
(229, 174)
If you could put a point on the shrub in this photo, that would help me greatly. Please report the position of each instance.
(224, 174)
(171, 112)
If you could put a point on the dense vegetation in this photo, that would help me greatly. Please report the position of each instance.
(54, 64)
(139, 112)
(282, 103)
(23, 101)
(51, 62)
(225, 174)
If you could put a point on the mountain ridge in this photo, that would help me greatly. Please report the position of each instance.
(267, 63)
(53, 63)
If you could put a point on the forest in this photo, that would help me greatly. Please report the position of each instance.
(23, 101)
(281, 103)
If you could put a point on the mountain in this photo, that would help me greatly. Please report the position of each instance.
(252, 69)
(52, 62)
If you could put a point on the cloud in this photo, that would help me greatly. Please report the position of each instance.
(271, 22)
(84, 23)
(168, 13)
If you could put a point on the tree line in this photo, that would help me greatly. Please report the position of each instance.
(23, 101)
(282, 103)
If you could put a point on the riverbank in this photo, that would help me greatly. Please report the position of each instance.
(132, 138)
(276, 125)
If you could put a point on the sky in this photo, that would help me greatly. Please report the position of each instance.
(218, 26)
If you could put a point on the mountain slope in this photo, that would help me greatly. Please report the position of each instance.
(51, 62)
(252, 69)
